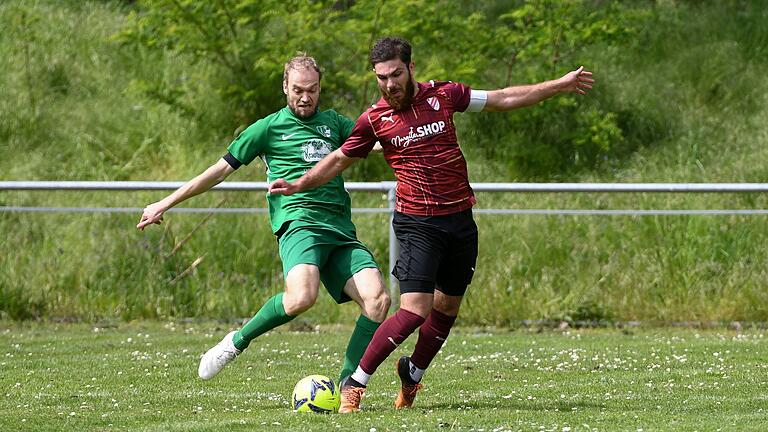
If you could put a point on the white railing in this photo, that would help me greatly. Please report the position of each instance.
(389, 188)
(388, 185)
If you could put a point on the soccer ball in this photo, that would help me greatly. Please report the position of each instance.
(316, 393)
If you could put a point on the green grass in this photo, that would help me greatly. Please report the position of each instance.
(141, 376)
(652, 268)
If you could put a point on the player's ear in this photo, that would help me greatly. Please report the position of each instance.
(411, 66)
(285, 87)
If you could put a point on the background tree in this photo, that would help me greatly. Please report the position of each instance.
(487, 45)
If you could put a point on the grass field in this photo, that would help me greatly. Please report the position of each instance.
(142, 376)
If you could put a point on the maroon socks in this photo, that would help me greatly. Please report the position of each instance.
(433, 333)
(392, 332)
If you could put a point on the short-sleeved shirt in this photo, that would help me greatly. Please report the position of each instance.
(289, 147)
(420, 144)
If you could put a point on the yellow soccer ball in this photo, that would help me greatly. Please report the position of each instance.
(316, 393)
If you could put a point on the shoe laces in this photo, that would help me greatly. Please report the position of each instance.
(226, 355)
(409, 390)
(353, 394)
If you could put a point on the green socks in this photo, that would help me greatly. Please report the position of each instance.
(271, 315)
(358, 342)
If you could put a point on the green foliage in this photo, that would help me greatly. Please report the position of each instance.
(681, 97)
(223, 33)
(570, 137)
(548, 32)
(73, 111)
(530, 41)
(539, 40)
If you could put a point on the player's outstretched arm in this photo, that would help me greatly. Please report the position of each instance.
(215, 174)
(578, 81)
(328, 168)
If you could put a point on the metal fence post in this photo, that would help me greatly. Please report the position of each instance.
(394, 248)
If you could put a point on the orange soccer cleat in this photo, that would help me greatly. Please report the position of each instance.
(408, 388)
(350, 397)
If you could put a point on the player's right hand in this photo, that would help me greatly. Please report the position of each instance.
(153, 214)
(282, 187)
(579, 81)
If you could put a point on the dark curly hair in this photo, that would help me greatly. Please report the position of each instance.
(390, 48)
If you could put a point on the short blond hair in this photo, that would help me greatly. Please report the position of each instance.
(301, 61)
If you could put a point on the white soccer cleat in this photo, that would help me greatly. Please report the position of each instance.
(217, 357)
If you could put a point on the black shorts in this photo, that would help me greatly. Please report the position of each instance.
(436, 252)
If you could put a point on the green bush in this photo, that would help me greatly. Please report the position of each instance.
(137, 91)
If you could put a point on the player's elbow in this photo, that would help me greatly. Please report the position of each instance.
(218, 172)
(342, 161)
(220, 177)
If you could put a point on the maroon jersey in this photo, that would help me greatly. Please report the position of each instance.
(420, 145)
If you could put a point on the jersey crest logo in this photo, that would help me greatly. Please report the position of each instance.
(324, 131)
(315, 150)
(390, 118)
(434, 103)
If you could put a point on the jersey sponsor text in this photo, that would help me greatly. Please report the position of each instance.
(434, 128)
(315, 150)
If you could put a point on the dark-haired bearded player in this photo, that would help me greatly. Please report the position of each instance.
(433, 216)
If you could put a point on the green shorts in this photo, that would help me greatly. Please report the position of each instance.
(336, 254)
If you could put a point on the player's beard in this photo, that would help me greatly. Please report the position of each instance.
(403, 98)
(302, 111)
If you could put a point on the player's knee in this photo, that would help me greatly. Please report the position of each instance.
(295, 304)
(447, 304)
(417, 302)
(377, 306)
(373, 296)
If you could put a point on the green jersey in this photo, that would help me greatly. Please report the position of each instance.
(289, 147)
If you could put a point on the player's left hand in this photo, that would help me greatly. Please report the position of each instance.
(578, 81)
(153, 214)
(282, 187)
